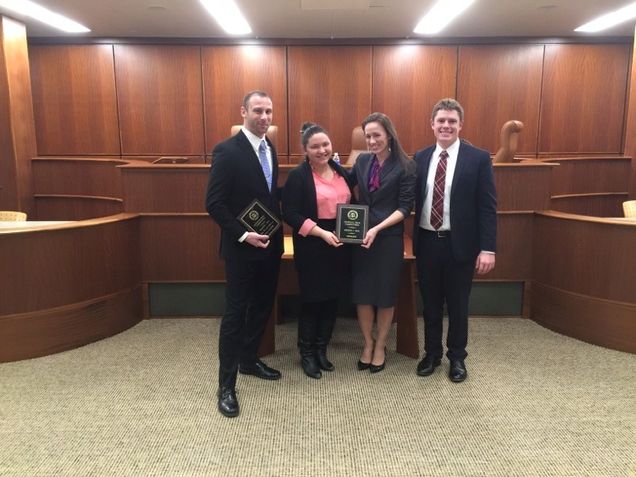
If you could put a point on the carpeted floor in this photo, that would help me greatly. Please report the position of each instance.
(143, 403)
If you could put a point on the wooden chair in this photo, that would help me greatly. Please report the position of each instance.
(629, 209)
(12, 216)
(509, 140)
(358, 145)
(272, 133)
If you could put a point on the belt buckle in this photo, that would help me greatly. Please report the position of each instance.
(441, 233)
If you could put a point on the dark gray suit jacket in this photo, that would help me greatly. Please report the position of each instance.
(396, 192)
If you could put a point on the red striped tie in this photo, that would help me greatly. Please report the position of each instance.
(437, 207)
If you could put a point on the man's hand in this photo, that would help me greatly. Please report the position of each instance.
(485, 263)
(257, 240)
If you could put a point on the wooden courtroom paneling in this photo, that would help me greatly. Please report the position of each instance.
(603, 204)
(497, 83)
(40, 333)
(160, 99)
(17, 132)
(74, 99)
(90, 177)
(630, 125)
(578, 175)
(585, 255)
(605, 323)
(407, 81)
(180, 247)
(75, 207)
(69, 263)
(330, 86)
(229, 72)
(514, 247)
(165, 187)
(67, 285)
(583, 101)
(523, 186)
(585, 278)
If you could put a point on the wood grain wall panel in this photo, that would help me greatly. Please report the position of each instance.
(497, 83)
(160, 99)
(70, 263)
(590, 174)
(630, 123)
(165, 188)
(229, 72)
(75, 99)
(67, 207)
(407, 82)
(188, 248)
(523, 186)
(89, 177)
(330, 86)
(601, 322)
(514, 247)
(587, 256)
(583, 100)
(17, 131)
(40, 333)
(596, 205)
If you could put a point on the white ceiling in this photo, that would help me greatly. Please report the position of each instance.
(329, 18)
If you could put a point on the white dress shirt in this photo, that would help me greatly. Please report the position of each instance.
(451, 163)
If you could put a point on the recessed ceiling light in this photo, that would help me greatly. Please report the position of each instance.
(228, 16)
(442, 13)
(609, 19)
(44, 15)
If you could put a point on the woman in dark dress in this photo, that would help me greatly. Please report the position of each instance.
(311, 194)
(386, 181)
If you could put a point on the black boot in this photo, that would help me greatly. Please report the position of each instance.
(306, 345)
(325, 329)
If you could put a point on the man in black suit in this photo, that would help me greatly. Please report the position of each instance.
(245, 168)
(454, 234)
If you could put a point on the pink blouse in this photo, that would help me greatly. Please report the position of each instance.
(329, 193)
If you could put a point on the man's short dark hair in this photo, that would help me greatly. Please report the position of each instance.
(248, 96)
(448, 104)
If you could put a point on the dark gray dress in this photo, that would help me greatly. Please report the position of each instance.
(376, 271)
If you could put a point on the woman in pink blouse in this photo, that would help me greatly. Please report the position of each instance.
(311, 194)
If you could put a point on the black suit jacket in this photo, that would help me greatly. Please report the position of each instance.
(473, 203)
(236, 179)
(397, 180)
(299, 194)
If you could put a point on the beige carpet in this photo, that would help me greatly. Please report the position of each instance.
(142, 403)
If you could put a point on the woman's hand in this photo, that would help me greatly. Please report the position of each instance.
(330, 238)
(369, 237)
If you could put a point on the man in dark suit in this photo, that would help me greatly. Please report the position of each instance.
(454, 234)
(245, 168)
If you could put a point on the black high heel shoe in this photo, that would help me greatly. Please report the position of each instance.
(376, 369)
(362, 365)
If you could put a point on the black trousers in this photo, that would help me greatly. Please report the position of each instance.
(249, 298)
(443, 280)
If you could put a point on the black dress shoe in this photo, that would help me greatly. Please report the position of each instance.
(362, 365)
(260, 370)
(427, 366)
(228, 404)
(457, 371)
